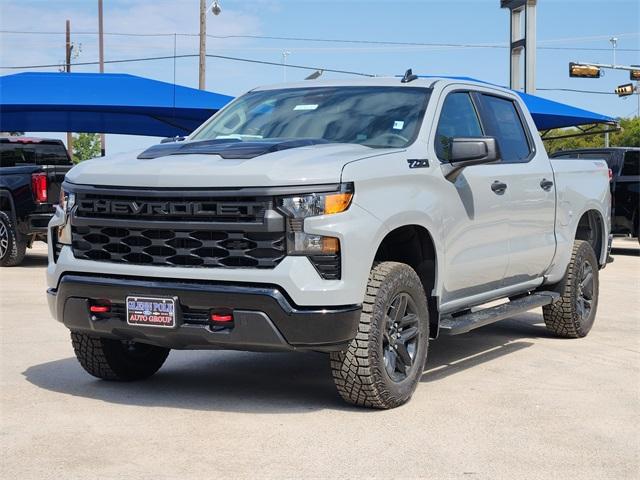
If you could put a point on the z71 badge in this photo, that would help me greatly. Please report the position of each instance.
(415, 163)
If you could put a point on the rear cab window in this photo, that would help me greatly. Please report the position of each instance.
(631, 164)
(17, 154)
(504, 122)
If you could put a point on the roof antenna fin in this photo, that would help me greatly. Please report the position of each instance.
(408, 77)
(315, 75)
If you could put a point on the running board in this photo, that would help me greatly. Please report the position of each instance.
(464, 323)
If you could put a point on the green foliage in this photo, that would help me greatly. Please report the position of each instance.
(628, 136)
(86, 146)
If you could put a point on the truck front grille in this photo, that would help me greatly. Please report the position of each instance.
(179, 248)
(177, 229)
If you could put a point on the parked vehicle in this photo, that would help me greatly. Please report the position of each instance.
(624, 163)
(31, 172)
(358, 218)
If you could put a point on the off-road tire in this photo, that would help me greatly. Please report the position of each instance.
(359, 372)
(563, 317)
(14, 245)
(110, 359)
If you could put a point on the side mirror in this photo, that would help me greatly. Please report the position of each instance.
(467, 151)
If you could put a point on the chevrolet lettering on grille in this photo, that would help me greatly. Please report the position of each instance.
(134, 207)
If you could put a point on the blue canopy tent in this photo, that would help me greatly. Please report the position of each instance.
(102, 102)
(549, 115)
(120, 103)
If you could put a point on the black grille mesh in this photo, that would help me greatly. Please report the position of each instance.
(179, 248)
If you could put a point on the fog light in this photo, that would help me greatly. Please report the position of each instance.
(300, 243)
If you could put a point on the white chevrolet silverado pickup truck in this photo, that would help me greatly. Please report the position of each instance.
(357, 218)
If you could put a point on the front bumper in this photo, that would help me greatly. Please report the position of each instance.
(264, 318)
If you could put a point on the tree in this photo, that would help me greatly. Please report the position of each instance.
(628, 136)
(86, 146)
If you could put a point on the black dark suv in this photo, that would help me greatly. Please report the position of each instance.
(31, 172)
(624, 163)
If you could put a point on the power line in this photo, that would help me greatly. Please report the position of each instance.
(597, 92)
(261, 62)
(330, 40)
(171, 57)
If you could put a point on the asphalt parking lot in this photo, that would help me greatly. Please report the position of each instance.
(505, 401)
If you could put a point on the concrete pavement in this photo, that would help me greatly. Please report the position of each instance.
(504, 401)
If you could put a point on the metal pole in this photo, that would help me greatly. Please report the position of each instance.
(285, 54)
(203, 44)
(103, 148)
(68, 69)
(614, 45)
(530, 47)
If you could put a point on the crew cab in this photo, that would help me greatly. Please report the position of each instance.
(361, 218)
(31, 172)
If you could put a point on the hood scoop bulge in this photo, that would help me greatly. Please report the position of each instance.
(229, 148)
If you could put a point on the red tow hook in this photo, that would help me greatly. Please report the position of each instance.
(97, 310)
(221, 319)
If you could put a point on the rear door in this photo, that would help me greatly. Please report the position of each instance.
(529, 179)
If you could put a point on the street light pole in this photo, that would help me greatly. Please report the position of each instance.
(103, 147)
(614, 45)
(67, 69)
(215, 9)
(203, 45)
(285, 54)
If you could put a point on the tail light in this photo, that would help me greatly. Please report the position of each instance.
(39, 187)
(610, 175)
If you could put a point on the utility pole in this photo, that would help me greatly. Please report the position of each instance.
(216, 10)
(203, 44)
(68, 48)
(103, 146)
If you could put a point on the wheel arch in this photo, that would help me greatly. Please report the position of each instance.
(7, 205)
(591, 228)
(414, 245)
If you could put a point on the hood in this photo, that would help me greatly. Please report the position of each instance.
(312, 164)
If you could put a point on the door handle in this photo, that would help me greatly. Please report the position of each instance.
(498, 187)
(546, 184)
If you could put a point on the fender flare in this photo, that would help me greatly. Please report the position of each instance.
(12, 211)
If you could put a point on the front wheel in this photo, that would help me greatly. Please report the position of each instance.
(111, 359)
(572, 316)
(382, 366)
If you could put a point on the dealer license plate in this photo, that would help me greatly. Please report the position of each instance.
(151, 312)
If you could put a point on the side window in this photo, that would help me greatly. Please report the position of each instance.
(504, 123)
(631, 165)
(458, 118)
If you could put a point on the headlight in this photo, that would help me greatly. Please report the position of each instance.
(313, 204)
(299, 207)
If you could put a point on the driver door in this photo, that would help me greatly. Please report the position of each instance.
(475, 216)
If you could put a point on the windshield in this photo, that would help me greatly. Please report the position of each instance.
(371, 116)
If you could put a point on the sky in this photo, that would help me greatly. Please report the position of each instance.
(567, 30)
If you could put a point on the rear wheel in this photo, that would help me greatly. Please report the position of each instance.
(13, 246)
(573, 315)
(382, 366)
(111, 359)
